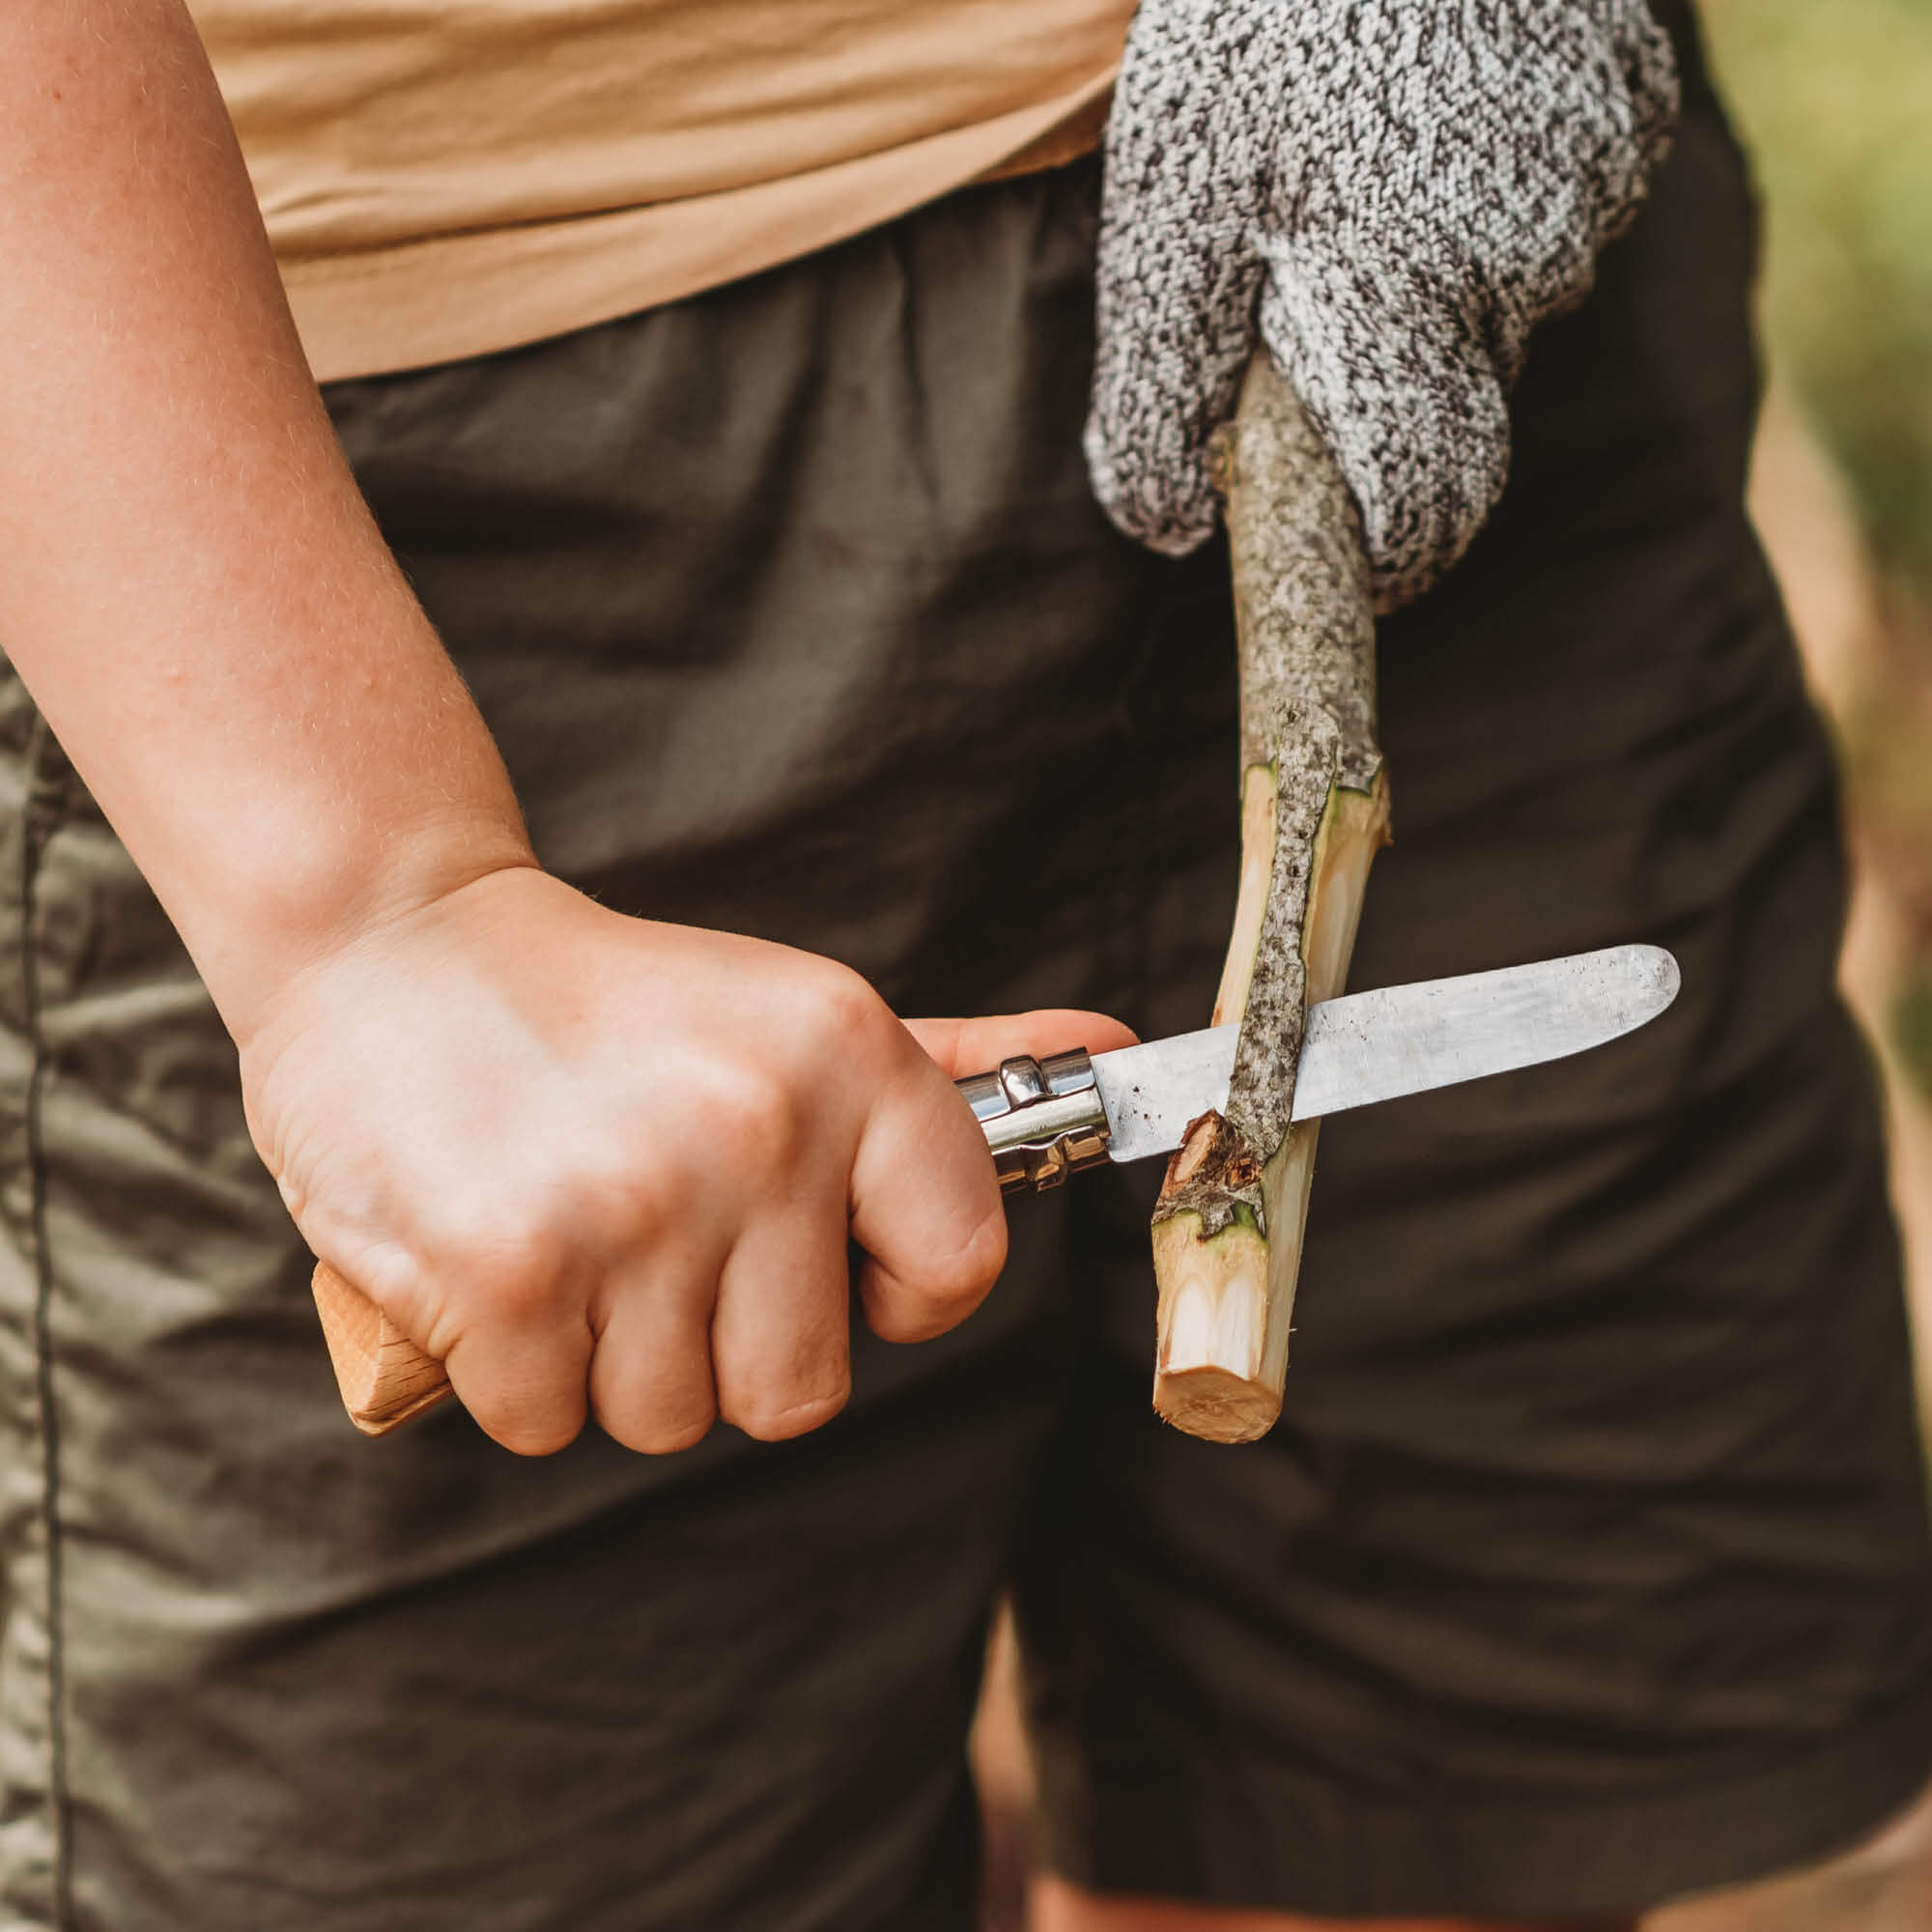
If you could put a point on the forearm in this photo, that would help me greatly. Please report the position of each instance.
(581, 1158)
(189, 583)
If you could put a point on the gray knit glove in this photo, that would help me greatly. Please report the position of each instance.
(1393, 191)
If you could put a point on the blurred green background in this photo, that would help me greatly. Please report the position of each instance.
(1833, 99)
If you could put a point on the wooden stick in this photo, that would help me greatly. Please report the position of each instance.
(384, 1376)
(1228, 1228)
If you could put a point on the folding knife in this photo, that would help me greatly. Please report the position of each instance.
(1046, 1118)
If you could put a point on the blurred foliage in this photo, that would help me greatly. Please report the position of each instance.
(1911, 1025)
(1834, 101)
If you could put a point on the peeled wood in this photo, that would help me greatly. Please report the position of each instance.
(1228, 1228)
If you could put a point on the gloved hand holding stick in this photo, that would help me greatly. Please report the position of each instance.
(1366, 207)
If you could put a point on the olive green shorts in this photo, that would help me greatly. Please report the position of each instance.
(1588, 1562)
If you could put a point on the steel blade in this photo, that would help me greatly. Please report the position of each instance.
(1395, 1041)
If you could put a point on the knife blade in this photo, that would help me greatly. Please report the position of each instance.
(1046, 1118)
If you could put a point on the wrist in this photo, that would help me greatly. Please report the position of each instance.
(339, 854)
(374, 791)
(335, 903)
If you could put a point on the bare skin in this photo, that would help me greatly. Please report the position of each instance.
(1883, 1884)
(1059, 1907)
(600, 1165)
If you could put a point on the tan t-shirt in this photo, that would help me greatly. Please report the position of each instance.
(444, 178)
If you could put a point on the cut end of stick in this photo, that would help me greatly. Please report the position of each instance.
(1212, 1372)
(1215, 1405)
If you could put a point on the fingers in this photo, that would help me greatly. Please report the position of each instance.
(1159, 395)
(962, 1046)
(1177, 280)
(523, 1378)
(780, 1335)
(748, 1320)
(925, 1207)
(651, 1384)
(1424, 457)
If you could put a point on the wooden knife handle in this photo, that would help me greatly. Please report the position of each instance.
(384, 1376)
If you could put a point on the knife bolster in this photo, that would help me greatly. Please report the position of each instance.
(1042, 1118)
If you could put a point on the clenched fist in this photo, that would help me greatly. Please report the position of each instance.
(590, 1161)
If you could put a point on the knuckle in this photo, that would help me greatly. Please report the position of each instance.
(536, 1436)
(777, 1419)
(756, 1115)
(655, 1398)
(895, 1319)
(669, 1438)
(503, 1261)
(660, 1432)
(620, 1204)
(846, 1009)
(946, 1288)
(971, 1270)
(393, 1274)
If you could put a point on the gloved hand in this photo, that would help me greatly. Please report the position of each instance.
(1393, 193)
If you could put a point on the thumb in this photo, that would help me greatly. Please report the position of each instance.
(962, 1046)
(926, 1204)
